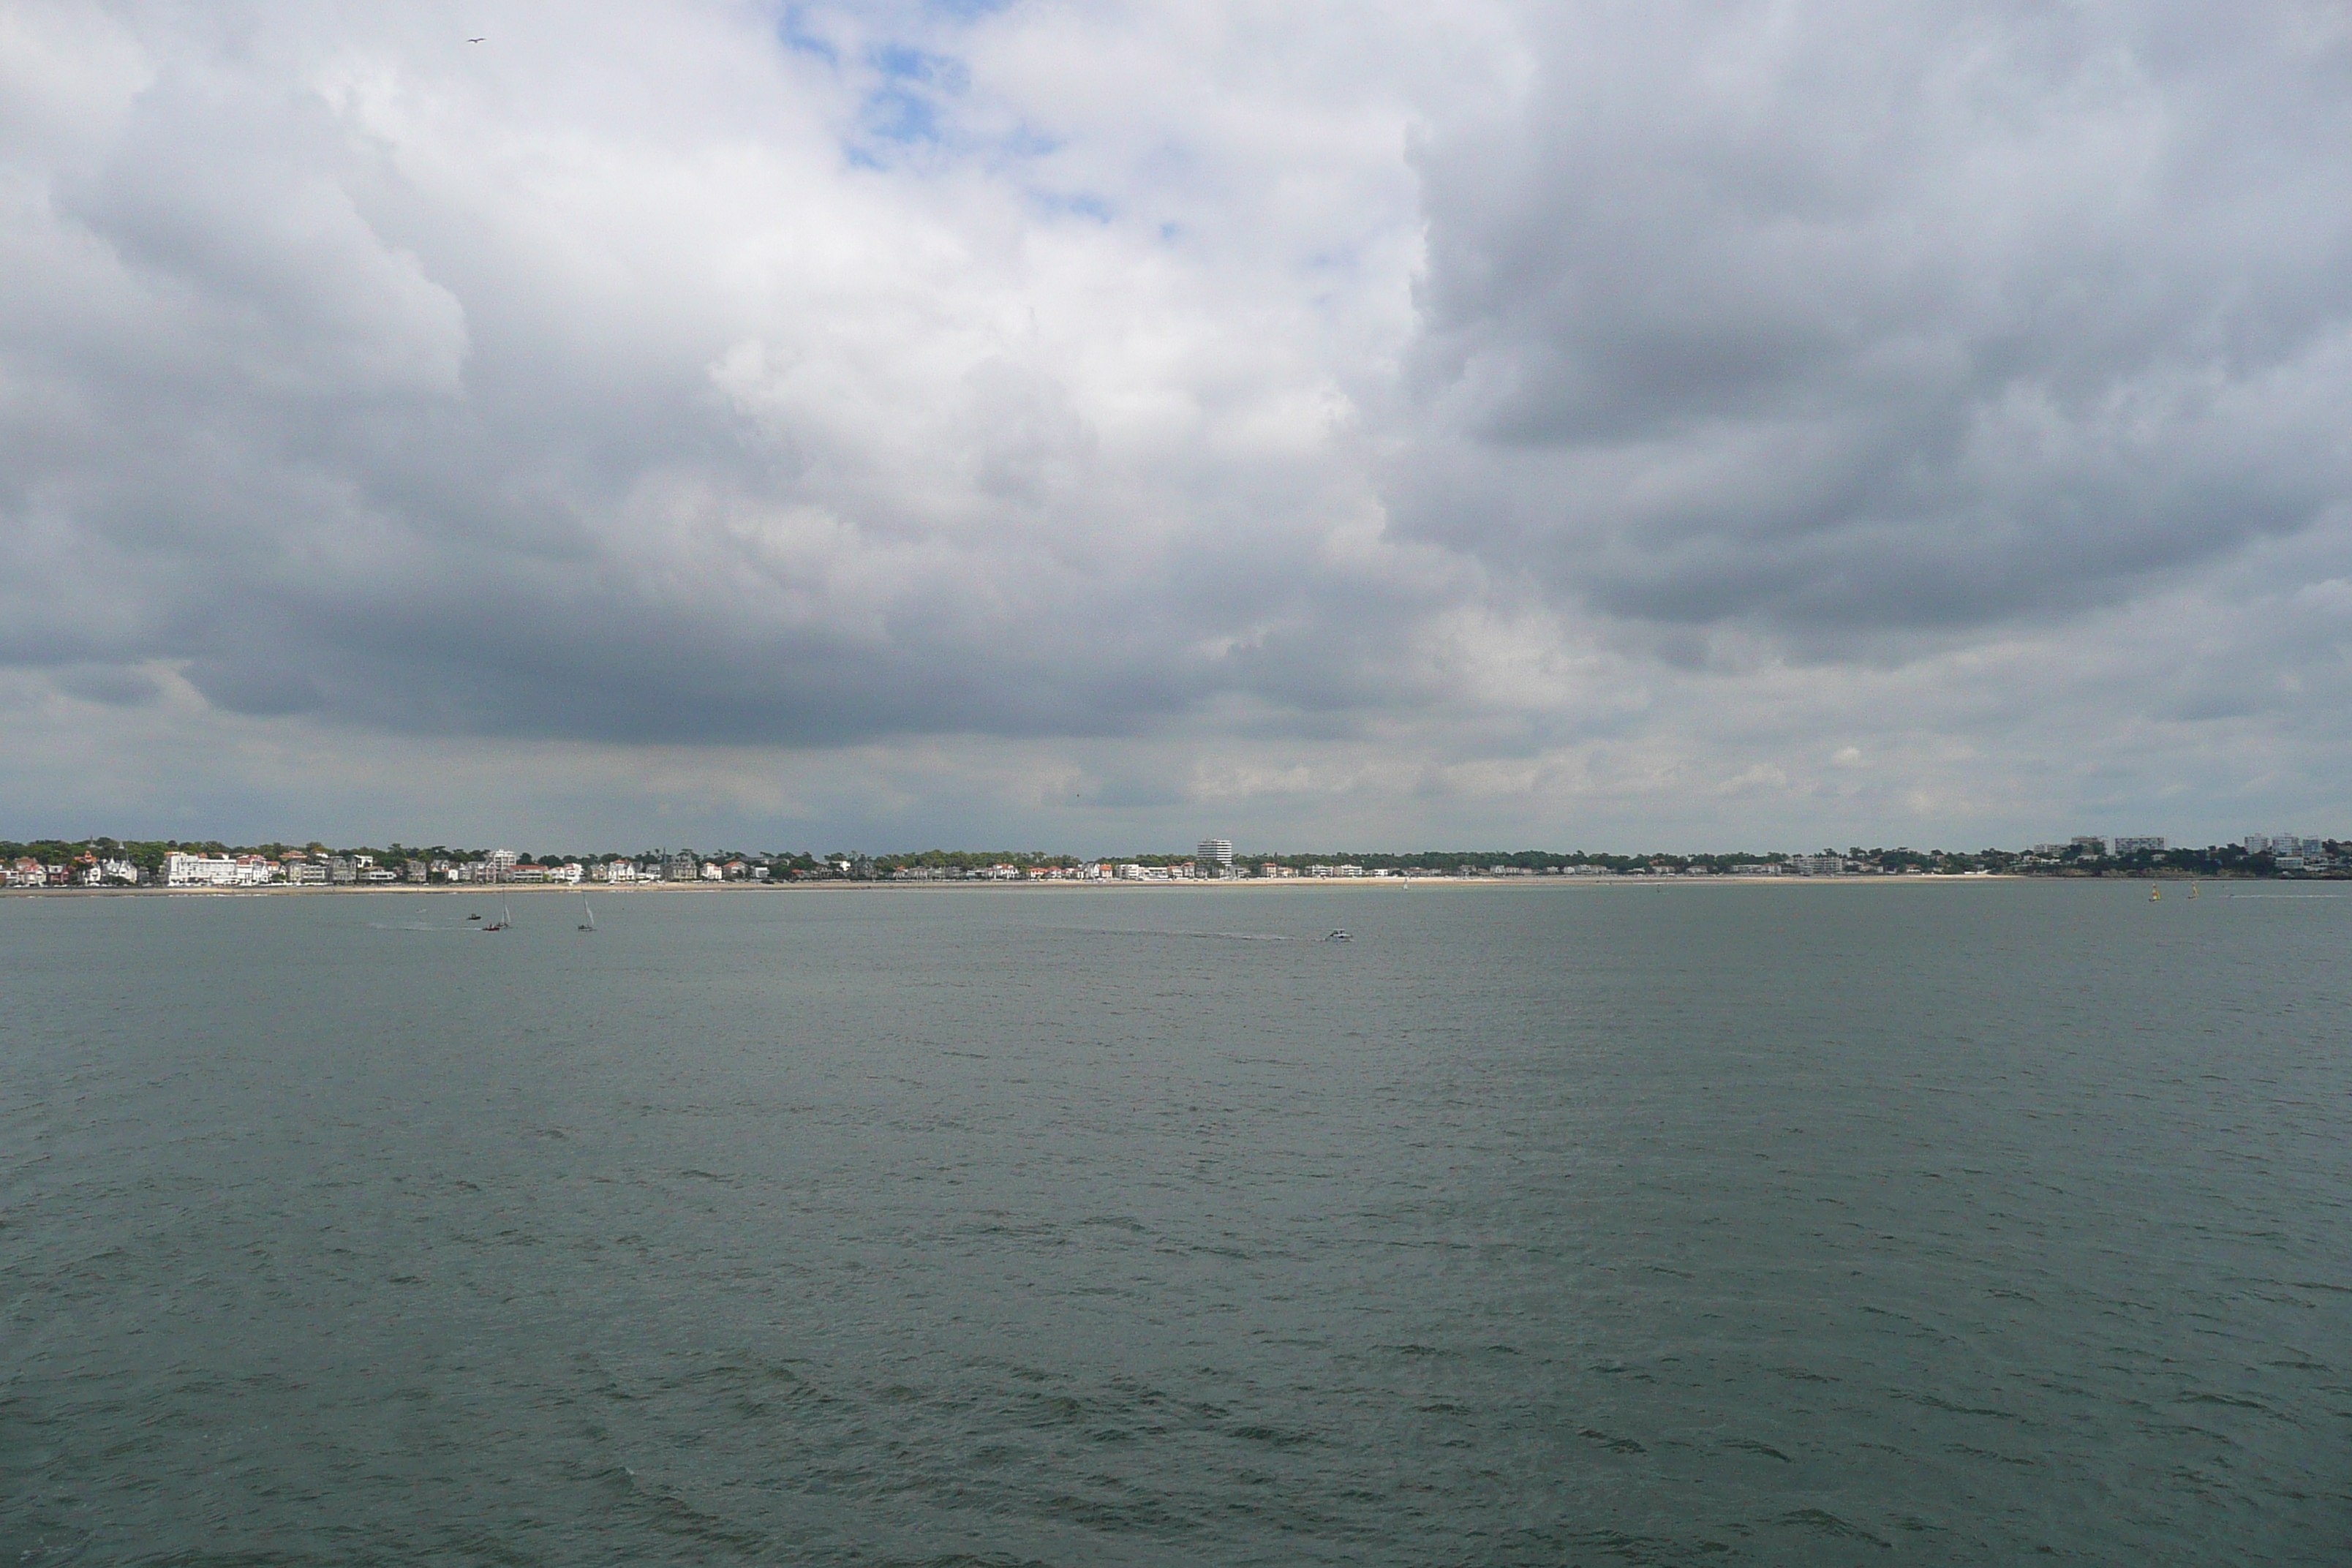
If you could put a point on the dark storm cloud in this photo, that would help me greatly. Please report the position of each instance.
(1850, 316)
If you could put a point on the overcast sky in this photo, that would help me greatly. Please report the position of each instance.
(1094, 426)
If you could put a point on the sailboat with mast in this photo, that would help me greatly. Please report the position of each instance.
(590, 923)
(505, 921)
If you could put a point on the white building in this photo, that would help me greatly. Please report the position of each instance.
(1214, 856)
(182, 869)
(2134, 846)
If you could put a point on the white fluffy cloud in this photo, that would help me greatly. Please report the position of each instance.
(1552, 424)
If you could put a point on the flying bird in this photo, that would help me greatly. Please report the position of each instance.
(478, 40)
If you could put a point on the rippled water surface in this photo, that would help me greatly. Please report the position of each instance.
(1541, 1224)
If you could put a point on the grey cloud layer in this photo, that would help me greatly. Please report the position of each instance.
(1843, 317)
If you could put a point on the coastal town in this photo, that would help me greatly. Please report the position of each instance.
(108, 863)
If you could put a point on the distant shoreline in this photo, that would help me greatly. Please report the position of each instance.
(843, 885)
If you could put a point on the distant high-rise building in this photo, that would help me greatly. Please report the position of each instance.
(2257, 842)
(1216, 856)
(2131, 845)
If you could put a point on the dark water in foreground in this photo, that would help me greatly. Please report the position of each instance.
(1713, 1224)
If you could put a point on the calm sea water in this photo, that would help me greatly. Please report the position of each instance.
(1553, 1225)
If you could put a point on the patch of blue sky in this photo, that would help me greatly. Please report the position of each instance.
(899, 114)
(904, 62)
(905, 108)
(793, 32)
(966, 10)
(1074, 204)
(1027, 142)
(912, 106)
